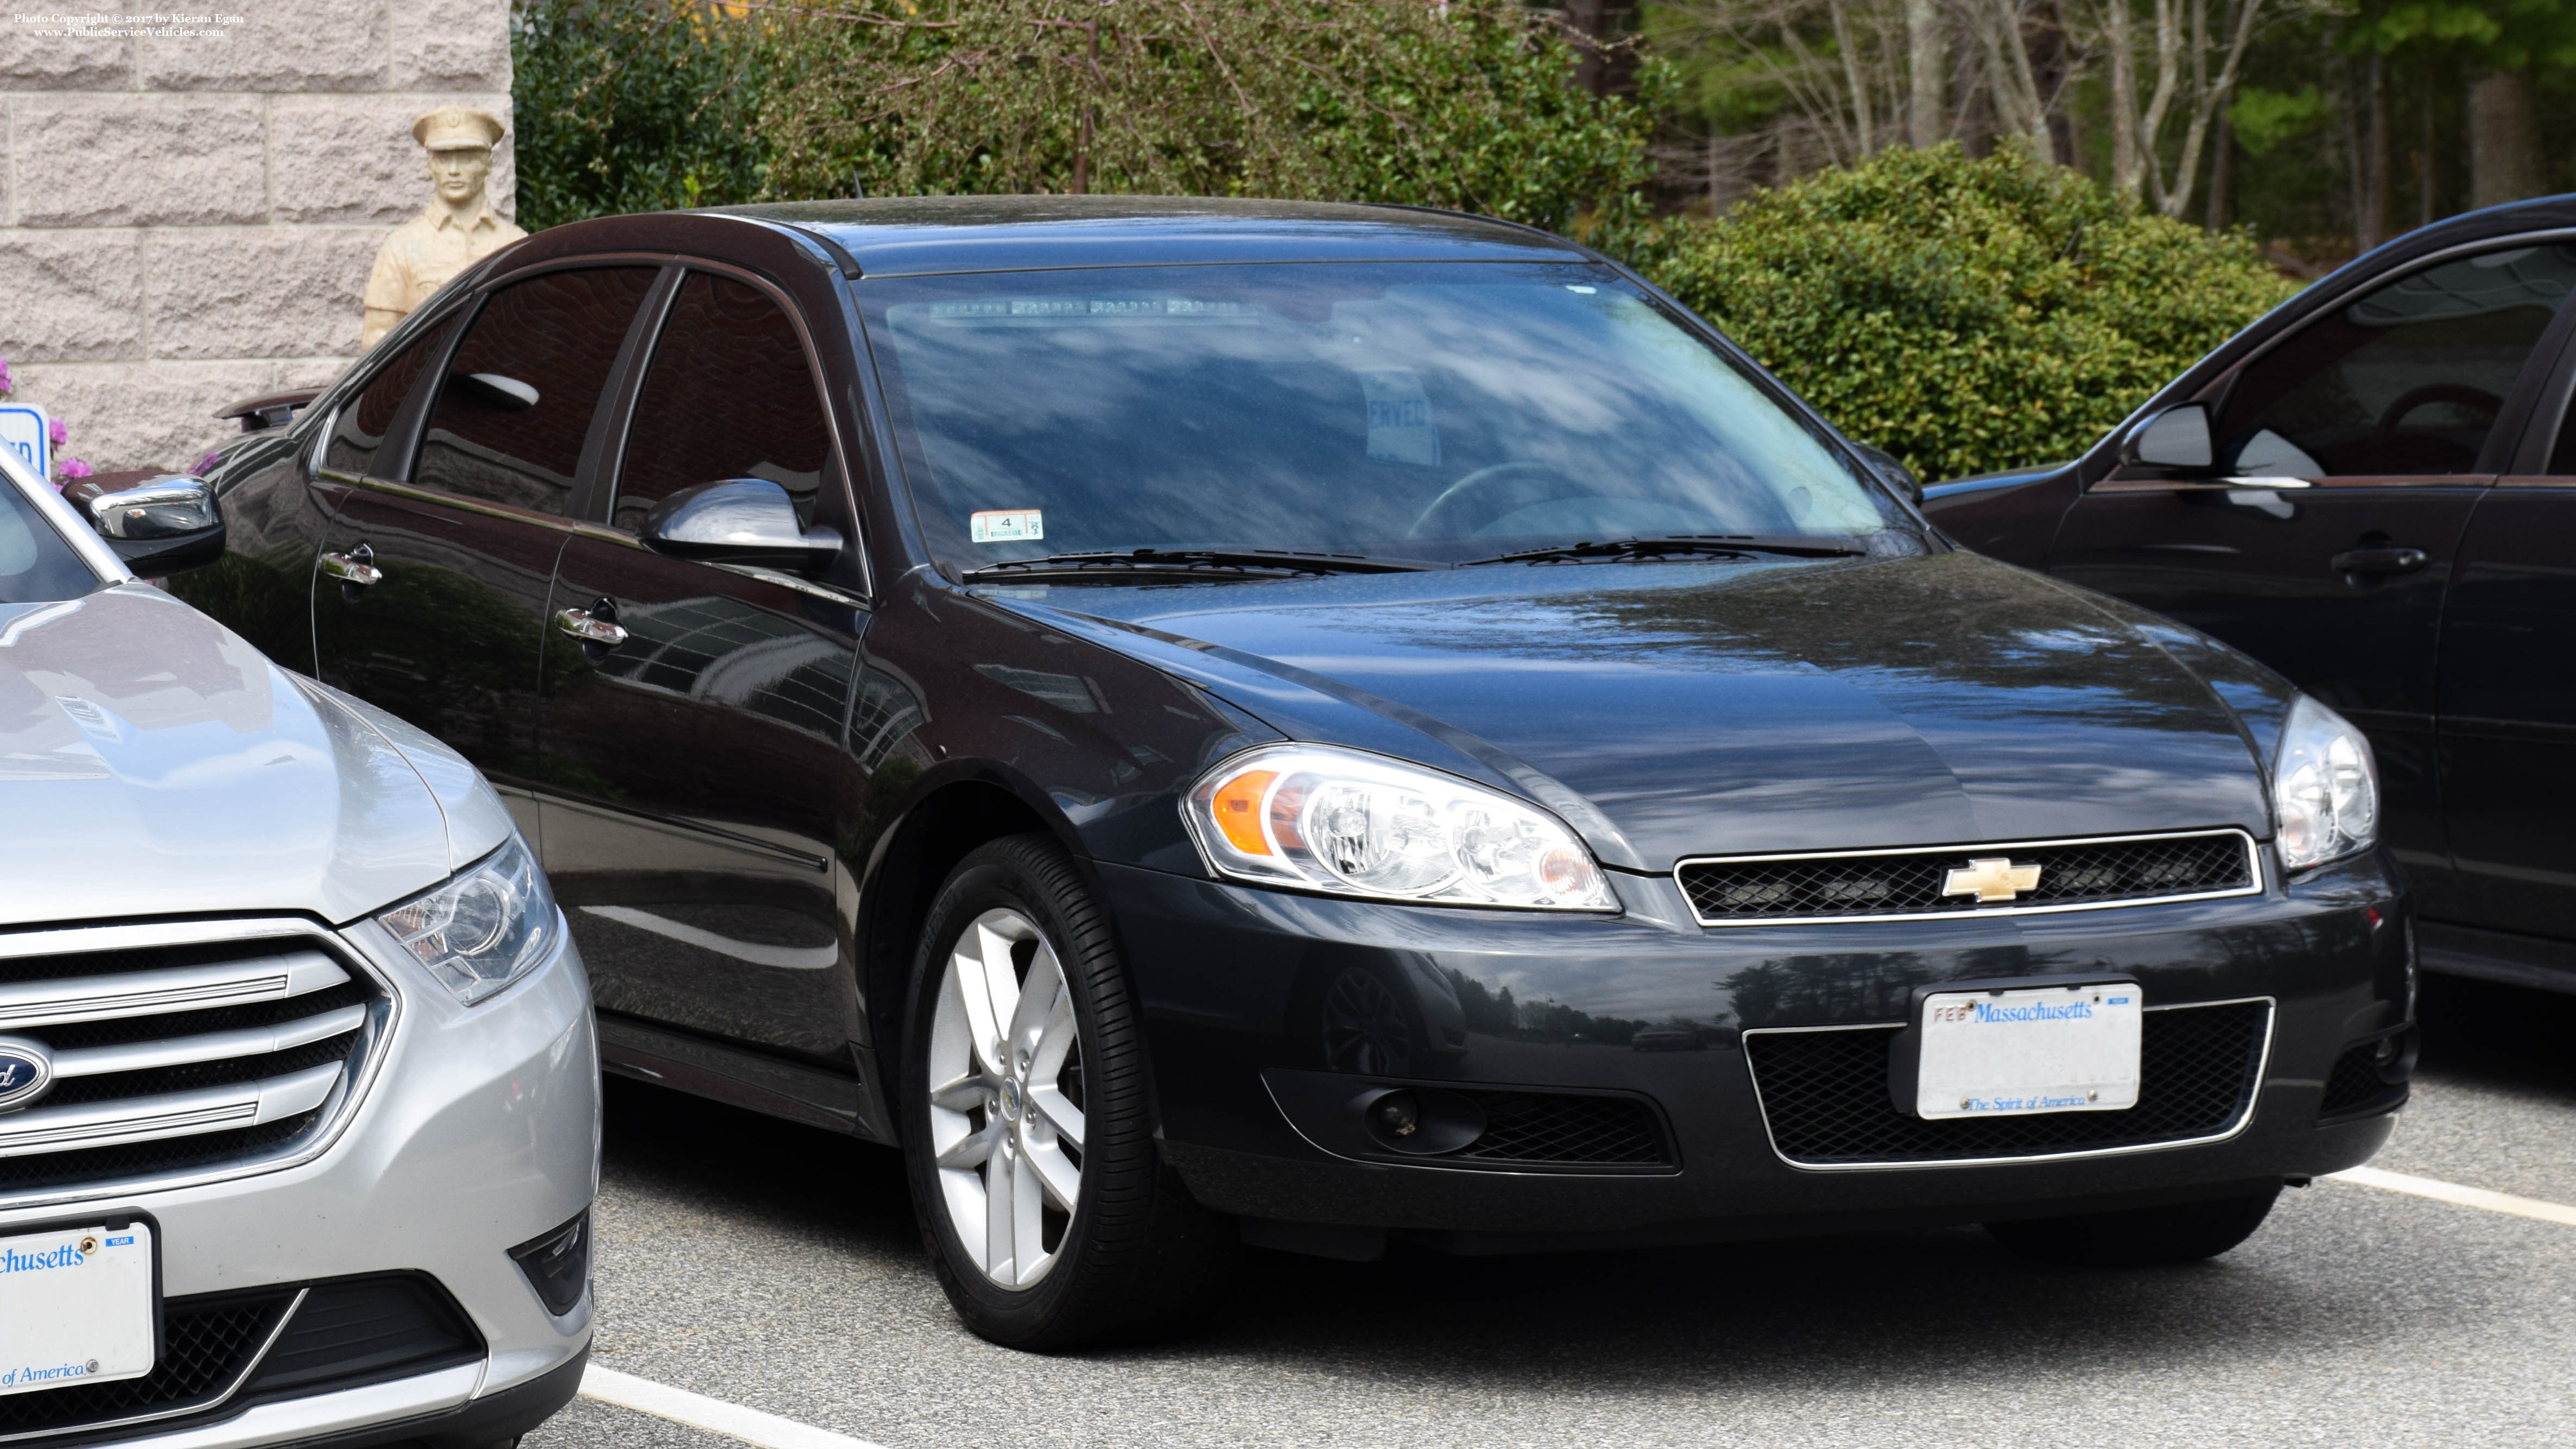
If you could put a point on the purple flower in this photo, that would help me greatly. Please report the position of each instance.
(75, 468)
(206, 464)
(55, 430)
(5, 382)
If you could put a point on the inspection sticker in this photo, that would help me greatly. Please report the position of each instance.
(75, 1307)
(1006, 525)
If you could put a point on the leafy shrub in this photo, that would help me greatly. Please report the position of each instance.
(633, 105)
(1468, 105)
(636, 105)
(1966, 315)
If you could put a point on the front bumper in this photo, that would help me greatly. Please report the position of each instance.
(1652, 1006)
(478, 1132)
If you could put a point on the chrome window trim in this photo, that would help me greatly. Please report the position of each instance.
(340, 1108)
(2253, 866)
(554, 522)
(2262, 1065)
(602, 533)
(218, 1401)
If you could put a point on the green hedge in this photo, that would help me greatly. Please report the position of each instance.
(633, 105)
(639, 105)
(1966, 315)
(1469, 104)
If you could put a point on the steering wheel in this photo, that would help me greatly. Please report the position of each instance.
(2433, 392)
(1490, 493)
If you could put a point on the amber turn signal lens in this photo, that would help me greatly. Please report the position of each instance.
(1237, 807)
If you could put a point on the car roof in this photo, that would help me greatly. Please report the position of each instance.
(921, 235)
(2540, 213)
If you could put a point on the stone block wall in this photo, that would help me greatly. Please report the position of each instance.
(187, 222)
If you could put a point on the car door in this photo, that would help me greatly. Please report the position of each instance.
(693, 769)
(430, 598)
(2507, 726)
(2381, 416)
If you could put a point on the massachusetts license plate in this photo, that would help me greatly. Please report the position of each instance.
(75, 1307)
(2035, 1049)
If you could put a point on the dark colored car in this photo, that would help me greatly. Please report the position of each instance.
(2373, 491)
(1213, 722)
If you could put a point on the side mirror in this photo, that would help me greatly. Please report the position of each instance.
(739, 521)
(159, 525)
(2178, 437)
(1898, 476)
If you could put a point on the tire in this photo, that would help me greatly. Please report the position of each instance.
(2141, 1237)
(1060, 1113)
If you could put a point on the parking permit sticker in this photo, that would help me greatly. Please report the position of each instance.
(1400, 429)
(1006, 525)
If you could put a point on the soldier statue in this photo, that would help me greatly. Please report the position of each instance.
(458, 229)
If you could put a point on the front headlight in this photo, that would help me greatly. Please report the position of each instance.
(2325, 791)
(482, 930)
(1362, 825)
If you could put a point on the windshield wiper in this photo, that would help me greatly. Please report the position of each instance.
(1194, 563)
(1677, 545)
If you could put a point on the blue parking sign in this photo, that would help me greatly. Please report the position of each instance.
(23, 432)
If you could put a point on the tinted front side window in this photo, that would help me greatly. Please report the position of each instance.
(36, 565)
(727, 396)
(517, 401)
(1431, 410)
(2407, 380)
(359, 434)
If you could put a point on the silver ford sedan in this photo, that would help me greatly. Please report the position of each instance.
(298, 1085)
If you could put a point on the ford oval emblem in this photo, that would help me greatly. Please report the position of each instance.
(26, 1070)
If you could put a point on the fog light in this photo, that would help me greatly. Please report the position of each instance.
(558, 1264)
(1420, 1121)
(2386, 1051)
(1398, 1114)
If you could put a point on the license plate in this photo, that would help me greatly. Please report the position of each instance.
(75, 1307)
(2034, 1049)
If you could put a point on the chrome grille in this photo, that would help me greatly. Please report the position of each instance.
(2073, 875)
(173, 1053)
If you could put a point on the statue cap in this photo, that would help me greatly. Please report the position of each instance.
(457, 128)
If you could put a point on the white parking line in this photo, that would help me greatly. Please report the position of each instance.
(715, 1416)
(769, 1431)
(2452, 1192)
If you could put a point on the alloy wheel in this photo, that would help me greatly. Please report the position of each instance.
(1005, 1087)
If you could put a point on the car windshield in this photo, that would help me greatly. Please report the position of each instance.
(36, 565)
(1433, 411)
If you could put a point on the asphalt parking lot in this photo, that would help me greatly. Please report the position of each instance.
(770, 1266)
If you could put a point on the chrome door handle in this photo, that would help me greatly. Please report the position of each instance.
(355, 569)
(592, 630)
(2379, 561)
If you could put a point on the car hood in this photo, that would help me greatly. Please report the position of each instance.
(1671, 710)
(153, 763)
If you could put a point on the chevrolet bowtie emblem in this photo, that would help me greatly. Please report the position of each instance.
(1994, 878)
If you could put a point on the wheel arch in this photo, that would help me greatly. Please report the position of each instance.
(911, 861)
